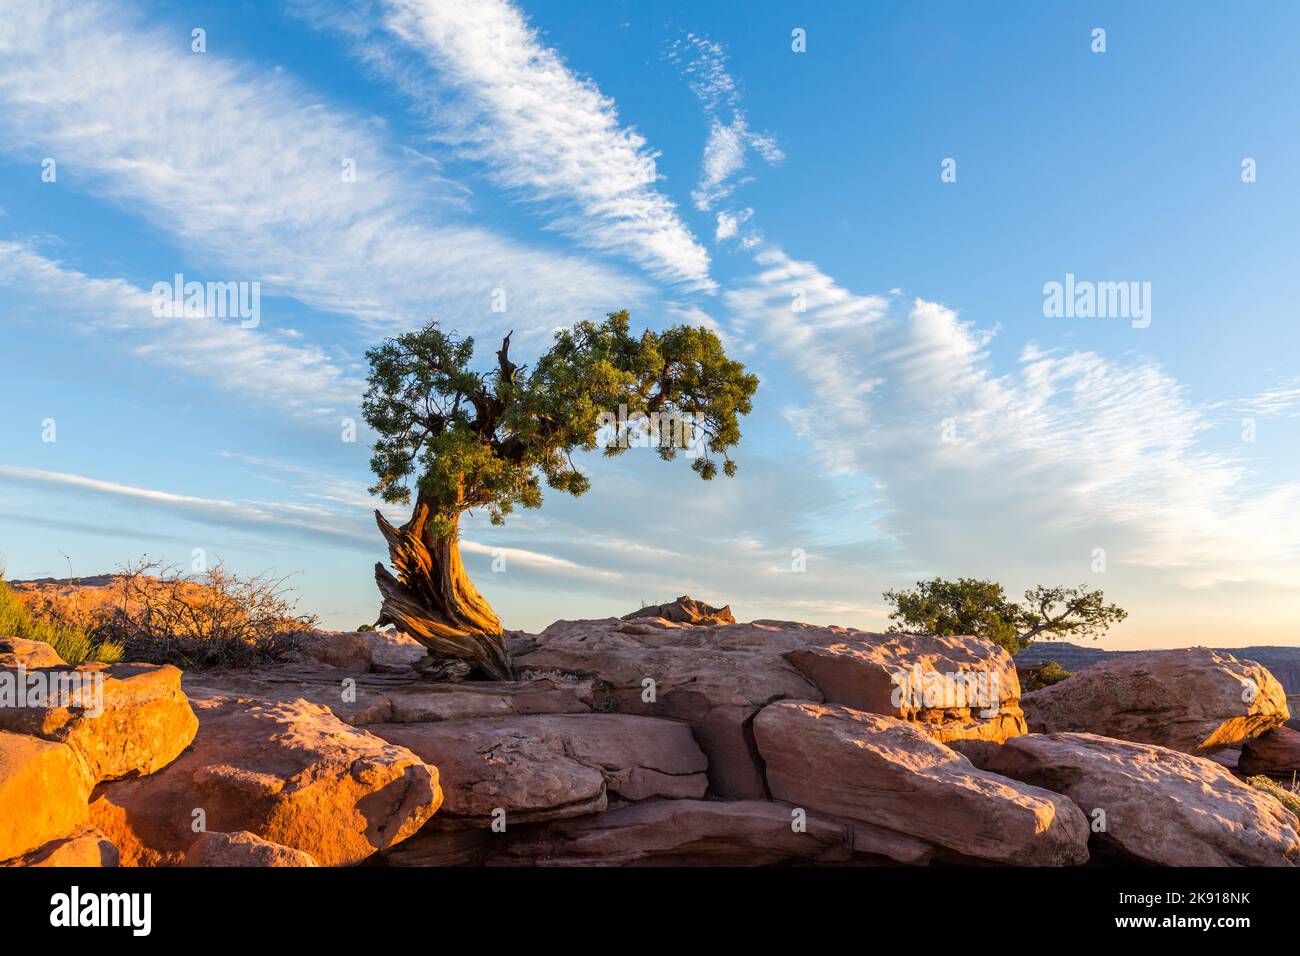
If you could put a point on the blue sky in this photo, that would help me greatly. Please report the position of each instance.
(921, 415)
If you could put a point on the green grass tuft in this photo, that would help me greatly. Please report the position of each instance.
(72, 644)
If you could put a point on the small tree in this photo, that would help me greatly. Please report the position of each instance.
(981, 608)
(469, 440)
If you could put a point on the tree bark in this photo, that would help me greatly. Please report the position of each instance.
(433, 600)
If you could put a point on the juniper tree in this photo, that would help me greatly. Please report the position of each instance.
(458, 440)
(981, 608)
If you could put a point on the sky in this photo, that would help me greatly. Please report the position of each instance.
(868, 202)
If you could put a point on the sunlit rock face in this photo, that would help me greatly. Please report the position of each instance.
(242, 849)
(84, 846)
(288, 771)
(674, 736)
(1153, 804)
(122, 720)
(686, 610)
(43, 793)
(1194, 699)
(890, 774)
(717, 677)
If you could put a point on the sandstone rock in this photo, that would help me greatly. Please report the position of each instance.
(364, 699)
(958, 687)
(417, 702)
(288, 771)
(890, 774)
(135, 723)
(43, 793)
(714, 678)
(1194, 699)
(1161, 806)
(1229, 758)
(85, 847)
(1276, 752)
(717, 677)
(551, 766)
(391, 651)
(686, 610)
(346, 650)
(30, 654)
(679, 833)
(242, 849)
(434, 847)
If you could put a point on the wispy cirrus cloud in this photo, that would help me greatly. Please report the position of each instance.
(1070, 452)
(257, 365)
(499, 96)
(349, 526)
(1279, 400)
(245, 169)
(704, 62)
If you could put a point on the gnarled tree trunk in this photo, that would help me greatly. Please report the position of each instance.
(433, 600)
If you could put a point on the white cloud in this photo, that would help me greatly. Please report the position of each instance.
(1034, 468)
(1278, 400)
(273, 518)
(248, 364)
(347, 525)
(729, 224)
(503, 98)
(704, 62)
(243, 167)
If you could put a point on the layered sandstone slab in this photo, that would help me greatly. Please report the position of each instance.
(717, 677)
(289, 771)
(121, 719)
(681, 833)
(714, 678)
(380, 698)
(890, 774)
(1158, 805)
(242, 849)
(1194, 699)
(546, 767)
(43, 793)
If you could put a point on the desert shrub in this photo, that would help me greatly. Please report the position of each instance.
(69, 639)
(1289, 797)
(1044, 675)
(214, 619)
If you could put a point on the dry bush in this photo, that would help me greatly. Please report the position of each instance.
(214, 619)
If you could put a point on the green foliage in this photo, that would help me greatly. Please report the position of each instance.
(71, 643)
(469, 439)
(1044, 675)
(981, 608)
